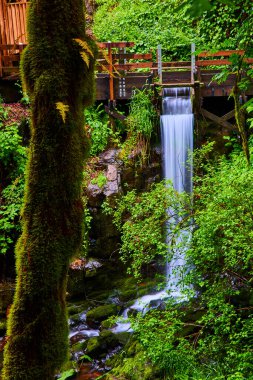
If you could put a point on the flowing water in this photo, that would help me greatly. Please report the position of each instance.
(177, 144)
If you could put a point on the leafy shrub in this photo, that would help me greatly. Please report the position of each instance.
(97, 124)
(12, 165)
(141, 220)
(141, 125)
(210, 336)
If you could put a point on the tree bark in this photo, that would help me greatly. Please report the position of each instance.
(52, 217)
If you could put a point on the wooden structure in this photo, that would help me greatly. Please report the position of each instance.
(119, 71)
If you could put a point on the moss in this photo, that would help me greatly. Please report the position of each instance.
(101, 313)
(128, 295)
(107, 324)
(52, 216)
(132, 364)
(2, 327)
(99, 346)
(93, 346)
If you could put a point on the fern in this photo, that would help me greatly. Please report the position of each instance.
(86, 51)
(63, 109)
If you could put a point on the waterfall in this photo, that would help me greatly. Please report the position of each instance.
(177, 143)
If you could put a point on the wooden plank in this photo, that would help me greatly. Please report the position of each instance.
(114, 113)
(131, 66)
(175, 68)
(12, 46)
(216, 119)
(228, 115)
(110, 66)
(122, 44)
(219, 62)
(213, 62)
(174, 64)
(220, 53)
(147, 56)
(181, 84)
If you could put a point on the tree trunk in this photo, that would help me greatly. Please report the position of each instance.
(55, 76)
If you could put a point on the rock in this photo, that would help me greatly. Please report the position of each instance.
(112, 173)
(100, 313)
(127, 295)
(102, 344)
(123, 337)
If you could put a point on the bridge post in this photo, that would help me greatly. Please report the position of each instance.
(193, 64)
(111, 84)
(159, 63)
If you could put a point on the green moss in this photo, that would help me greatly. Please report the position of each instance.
(128, 295)
(93, 346)
(52, 216)
(101, 313)
(131, 364)
(107, 324)
(100, 346)
(2, 327)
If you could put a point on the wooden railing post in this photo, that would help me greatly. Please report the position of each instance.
(193, 63)
(110, 73)
(159, 63)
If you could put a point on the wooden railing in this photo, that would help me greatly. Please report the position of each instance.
(221, 58)
(13, 22)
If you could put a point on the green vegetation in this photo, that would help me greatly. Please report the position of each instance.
(141, 126)
(98, 128)
(13, 157)
(147, 23)
(141, 219)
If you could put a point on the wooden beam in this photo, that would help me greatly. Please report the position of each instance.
(147, 56)
(114, 113)
(220, 53)
(110, 72)
(219, 62)
(216, 119)
(104, 45)
(228, 115)
(188, 84)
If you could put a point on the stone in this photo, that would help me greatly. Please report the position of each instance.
(112, 173)
(100, 313)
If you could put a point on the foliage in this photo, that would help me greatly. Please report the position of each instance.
(141, 126)
(230, 23)
(147, 23)
(97, 124)
(100, 180)
(12, 166)
(67, 374)
(141, 220)
(210, 336)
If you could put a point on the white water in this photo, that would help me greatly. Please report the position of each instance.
(177, 143)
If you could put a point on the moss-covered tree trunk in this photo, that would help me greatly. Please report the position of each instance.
(54, 75)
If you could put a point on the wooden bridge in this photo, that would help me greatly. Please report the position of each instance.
(119, 71)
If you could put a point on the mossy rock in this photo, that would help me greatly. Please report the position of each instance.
(132, 364)
(107, 324)
(74, 309)
(93, 346)
(101, 345)
(100, 313)
(128, 295)
(123, 337)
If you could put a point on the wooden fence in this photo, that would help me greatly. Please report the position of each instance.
(13, 22)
